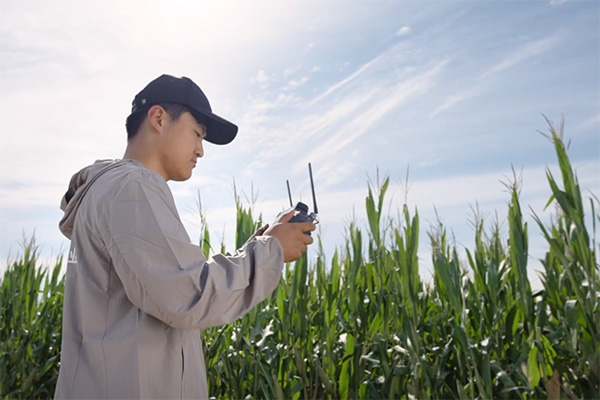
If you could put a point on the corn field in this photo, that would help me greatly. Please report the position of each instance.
(363, 324)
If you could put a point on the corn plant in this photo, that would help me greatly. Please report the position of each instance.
(30, 326)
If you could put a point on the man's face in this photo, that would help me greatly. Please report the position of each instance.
(182, 145)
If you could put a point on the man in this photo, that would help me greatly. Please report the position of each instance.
(138, 292)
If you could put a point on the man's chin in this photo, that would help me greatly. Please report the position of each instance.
(182, 178)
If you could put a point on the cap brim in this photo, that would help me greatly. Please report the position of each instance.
(218, 130)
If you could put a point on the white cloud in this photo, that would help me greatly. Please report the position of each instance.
(289, 71)
(261, 77)
(296, 83)
(81, 78)
(404, 31)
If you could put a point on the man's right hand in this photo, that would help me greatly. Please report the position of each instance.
(291, 235)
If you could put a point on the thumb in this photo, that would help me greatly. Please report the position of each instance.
(286, 215)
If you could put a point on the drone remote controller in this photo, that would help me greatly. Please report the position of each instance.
(303, 212)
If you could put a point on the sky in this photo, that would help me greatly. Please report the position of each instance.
(445, 98)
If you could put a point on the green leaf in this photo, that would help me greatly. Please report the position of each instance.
(533, 370)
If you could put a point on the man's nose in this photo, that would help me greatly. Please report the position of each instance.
(199, 150)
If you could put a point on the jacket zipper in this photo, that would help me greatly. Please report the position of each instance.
(182, 372)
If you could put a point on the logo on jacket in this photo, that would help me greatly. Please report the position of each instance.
(72, 256)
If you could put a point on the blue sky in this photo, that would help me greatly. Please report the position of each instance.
(453, 91)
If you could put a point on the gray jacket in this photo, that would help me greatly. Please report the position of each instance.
(138, 292)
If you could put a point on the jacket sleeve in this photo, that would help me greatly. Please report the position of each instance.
(168, 277)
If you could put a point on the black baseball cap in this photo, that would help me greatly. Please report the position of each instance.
(183, 91)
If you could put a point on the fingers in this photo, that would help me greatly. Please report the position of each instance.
(306, 226)
(286, 215)
(284, 212)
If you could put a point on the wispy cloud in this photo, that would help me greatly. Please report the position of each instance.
(589, 124)
(336, 86)
(388, 98)
(523, 53)
(455, 99)
(361, 100)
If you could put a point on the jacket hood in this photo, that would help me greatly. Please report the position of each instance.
(78, 187)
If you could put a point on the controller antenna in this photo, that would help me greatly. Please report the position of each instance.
(287, 182)
(312, 188)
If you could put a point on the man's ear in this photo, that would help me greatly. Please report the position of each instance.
(156, 117)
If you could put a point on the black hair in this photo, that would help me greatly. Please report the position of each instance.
(134, 121)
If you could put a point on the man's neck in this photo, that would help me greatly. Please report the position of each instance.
(149, 162)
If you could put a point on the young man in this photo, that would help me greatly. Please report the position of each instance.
(138, 292)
